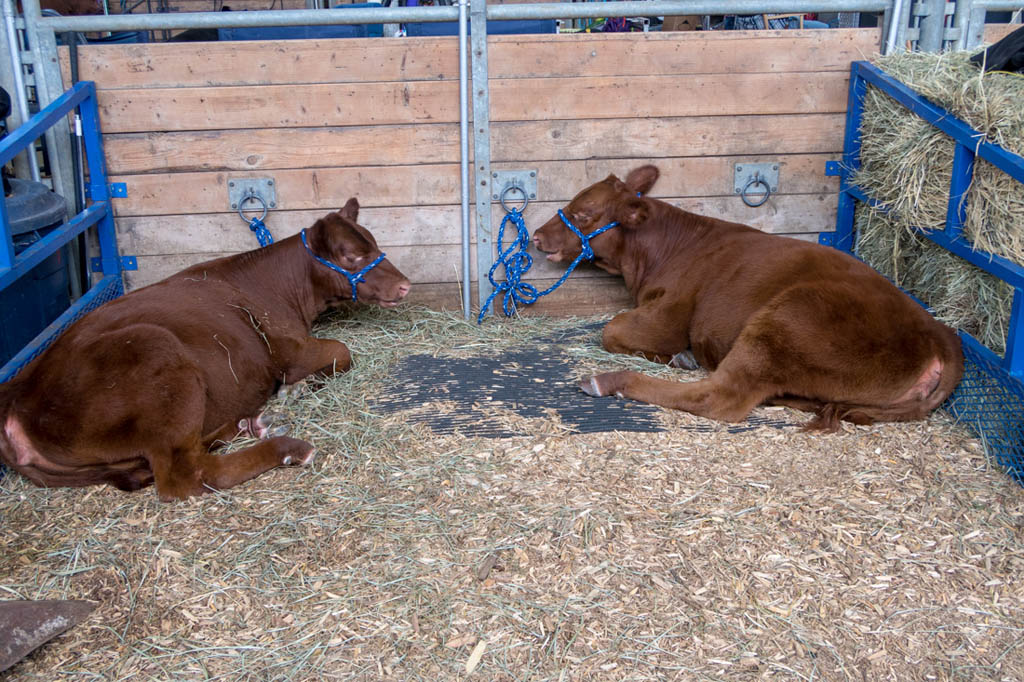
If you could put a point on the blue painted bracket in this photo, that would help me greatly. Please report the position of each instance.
(970, 144)
(98, 214)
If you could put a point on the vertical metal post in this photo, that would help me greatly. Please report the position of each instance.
(49, 86)
(933, 26)
(481, 147)
(464, 154)
(894, 15)
(903, 25)
(975, 29)
(961, 20)
(17, 83)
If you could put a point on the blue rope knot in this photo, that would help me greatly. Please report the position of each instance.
(517, 264)
(353, 278)
(263, 235)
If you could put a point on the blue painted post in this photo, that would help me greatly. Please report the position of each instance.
(98, 190)
(963, 172)
(843, 237)
(7, 247)
(1013, 358)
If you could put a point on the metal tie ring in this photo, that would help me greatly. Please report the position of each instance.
(526, 199)
(754, 181)
(254, 197)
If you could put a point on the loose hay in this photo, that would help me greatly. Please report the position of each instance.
(880, 553)
(906, 164)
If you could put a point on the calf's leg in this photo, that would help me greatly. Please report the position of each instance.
(653, 332)
(189, 469)
(311, 355)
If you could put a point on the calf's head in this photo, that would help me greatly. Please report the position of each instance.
(338, 240)
(608, 201)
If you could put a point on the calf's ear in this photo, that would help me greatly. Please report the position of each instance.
(632, 212)
(351, 210)
(640, 180)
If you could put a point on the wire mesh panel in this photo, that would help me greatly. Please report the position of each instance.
(991, 402)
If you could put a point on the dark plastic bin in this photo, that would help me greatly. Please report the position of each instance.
(37, 298)
(307, 32)
(494, 28)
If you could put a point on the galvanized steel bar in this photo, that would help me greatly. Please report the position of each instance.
(933, 26)
(48, 81)
(361, 15)
(291, 17)
(640, 8)
(17, 77)
(998, 5)
(464, 154)
(481, 147)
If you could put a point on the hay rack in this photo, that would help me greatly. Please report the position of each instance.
(990, 398)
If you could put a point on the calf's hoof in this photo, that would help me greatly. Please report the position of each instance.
(288, 390)
(263, 426)
(294, 452)
(601, 385)
(684, 360)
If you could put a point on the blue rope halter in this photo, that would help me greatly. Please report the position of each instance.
(353, 279)
(517, 264)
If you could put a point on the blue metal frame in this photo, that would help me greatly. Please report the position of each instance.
(99, 213)
(969, 145)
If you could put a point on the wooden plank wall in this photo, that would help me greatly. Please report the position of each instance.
(378, 119)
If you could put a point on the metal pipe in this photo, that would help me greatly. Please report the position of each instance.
(641, 8)
(483, 181)
(14, 48)
(894, 19)
(998, 5)
(464, 142)
(291, 17)
(366, 15)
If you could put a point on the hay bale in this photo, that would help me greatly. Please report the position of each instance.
(956, 292)
(906, 164)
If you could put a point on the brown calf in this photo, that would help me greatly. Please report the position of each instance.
(776, 320)
(141, 389)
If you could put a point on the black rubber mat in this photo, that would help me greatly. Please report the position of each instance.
(465, 395)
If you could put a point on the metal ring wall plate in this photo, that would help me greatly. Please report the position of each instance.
(526, 198)
(252, 197)
(754, 181)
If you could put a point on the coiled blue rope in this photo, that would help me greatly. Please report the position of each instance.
(263, 235)
(518, 262)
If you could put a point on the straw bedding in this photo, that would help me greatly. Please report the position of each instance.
(907, 165)
(891, 552)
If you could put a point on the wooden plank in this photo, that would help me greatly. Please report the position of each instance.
(667, 137)
(438, 184)
(536, 99)
(435, 226)
(996, 32)
(409, 59)
(251, 150)
(257, 62)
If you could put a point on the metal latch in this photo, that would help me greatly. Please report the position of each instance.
(751, 179)
(252, 194)
(514, 185)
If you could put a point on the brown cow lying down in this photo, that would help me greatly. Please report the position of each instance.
(776, 320)
(140, 389)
